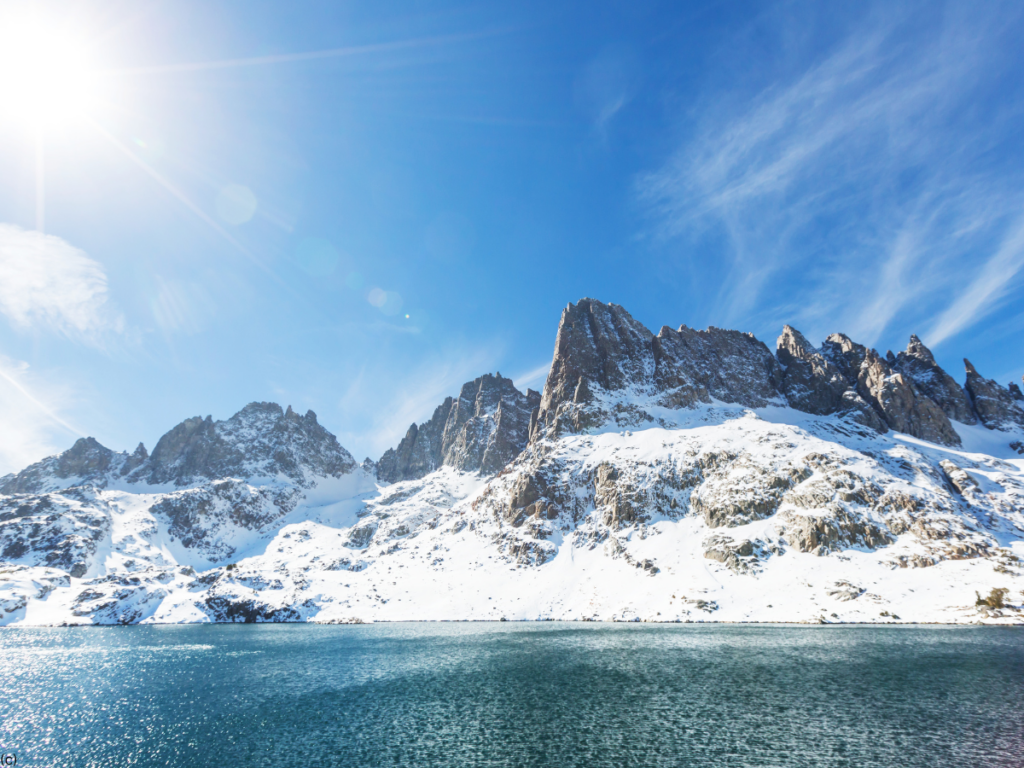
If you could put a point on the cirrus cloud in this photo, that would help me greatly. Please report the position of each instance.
(47, 283)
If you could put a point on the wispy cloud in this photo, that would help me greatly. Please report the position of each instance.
(858, 193)
(30, 412)
(533, 378)
(378, 409)
(46, 283)
(982, 295)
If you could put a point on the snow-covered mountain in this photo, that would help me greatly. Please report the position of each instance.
(684, 476)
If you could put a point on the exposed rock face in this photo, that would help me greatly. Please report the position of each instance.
(726, 365)
(601, 344)
(261, 440)
(822, 534)
(741, 556)
(812, 383)
(198, 516)
(419, 452)
(482, 430)
(846, 354)
(918, 364)
(995, 405)
(608, 368)
(903, 410)
(39, 530)
(962, 482)
(85, 463)
(601, 350)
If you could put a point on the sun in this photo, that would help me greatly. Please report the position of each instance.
(47, 75)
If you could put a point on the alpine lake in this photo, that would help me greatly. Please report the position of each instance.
(513, 694)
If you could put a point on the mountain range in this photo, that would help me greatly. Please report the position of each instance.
(688, 475)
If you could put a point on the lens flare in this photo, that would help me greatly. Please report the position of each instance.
(236, 204)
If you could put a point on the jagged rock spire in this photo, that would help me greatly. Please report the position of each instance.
(812, 383)
(481, 430)
(259, 440)
(918, 364)
(995, 405)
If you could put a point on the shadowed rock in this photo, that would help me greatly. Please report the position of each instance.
(903, 409)
(812, 383)
(481, 430)
(261, 440)
(994, 404)
(918, 364)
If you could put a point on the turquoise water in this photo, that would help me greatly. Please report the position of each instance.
(513, 695)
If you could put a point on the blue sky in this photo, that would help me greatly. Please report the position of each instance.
(356, 207)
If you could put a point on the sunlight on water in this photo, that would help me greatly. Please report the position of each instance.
(513, 695)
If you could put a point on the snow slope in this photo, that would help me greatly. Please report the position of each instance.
(684, 476)
(723, 514)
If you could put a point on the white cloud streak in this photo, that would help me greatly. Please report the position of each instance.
(46, 283)
(851, 196)
(534, 378)
(983, 294)
(30, 413)
(392, 407)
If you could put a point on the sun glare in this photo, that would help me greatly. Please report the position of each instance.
(46, 76)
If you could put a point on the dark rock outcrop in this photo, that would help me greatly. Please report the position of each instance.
(480, 431)
(895, 398)
(419, 452)
(730, 366)
(918, 364)
(85, 463)
(812, 383)
(845, 354)
(600, 344)
(994, 404)
(261, 440)
(602, 349)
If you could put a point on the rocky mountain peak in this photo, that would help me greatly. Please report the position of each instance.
(261, 440)
(917, 350)
(85, 462)
(898, 402)
(917, 363)
(812, 383)
(600, 343)
(480, 431)
(794, 343)
(602, 355)
(995, 405)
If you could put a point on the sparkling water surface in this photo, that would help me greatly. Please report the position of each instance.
(507, 694)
